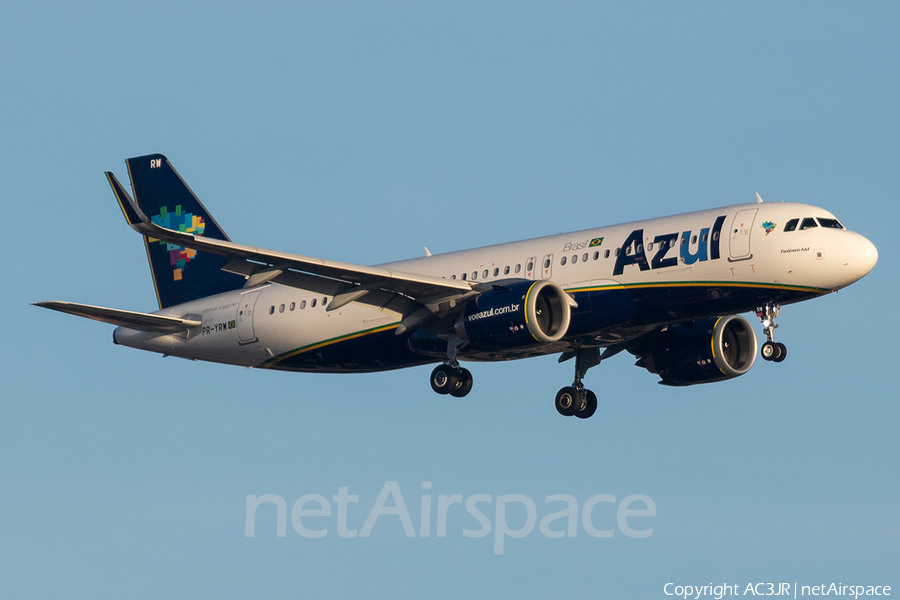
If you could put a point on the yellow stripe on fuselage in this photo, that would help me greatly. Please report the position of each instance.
(681, 284)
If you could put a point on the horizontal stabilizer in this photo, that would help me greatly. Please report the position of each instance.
(124, 318)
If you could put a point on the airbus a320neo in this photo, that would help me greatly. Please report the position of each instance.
(667, 290)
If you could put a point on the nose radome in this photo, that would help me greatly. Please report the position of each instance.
(861, 256)
(867, 255)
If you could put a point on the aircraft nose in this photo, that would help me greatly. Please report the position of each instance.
(868, 255)
(862, 257)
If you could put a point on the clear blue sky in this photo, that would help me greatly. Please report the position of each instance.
(363, 132)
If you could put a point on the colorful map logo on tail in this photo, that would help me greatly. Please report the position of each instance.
(179, 256)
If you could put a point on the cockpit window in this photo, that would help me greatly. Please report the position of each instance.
(791, 225)
(830, 223)
(808, 223)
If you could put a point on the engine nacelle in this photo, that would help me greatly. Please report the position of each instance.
(520, 314)
(702, 351)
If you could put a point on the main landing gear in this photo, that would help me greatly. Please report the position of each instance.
(450, 378)
(575, 399)
(771, 350)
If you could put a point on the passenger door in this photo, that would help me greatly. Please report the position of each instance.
(739, 236)
(246, 307)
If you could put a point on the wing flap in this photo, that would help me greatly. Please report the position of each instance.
(124, 318)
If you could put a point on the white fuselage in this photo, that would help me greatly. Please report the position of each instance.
(730, 258)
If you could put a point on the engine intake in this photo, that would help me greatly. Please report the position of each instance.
(520, 314)
(701, 351)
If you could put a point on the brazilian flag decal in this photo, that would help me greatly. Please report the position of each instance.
(595, 242)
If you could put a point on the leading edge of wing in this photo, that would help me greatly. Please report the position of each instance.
(124, 318)
(411, 284)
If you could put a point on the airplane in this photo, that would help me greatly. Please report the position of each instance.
(667, 290)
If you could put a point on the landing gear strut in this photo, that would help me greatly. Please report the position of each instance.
(575, 400)
(771, 350)
(450, 378)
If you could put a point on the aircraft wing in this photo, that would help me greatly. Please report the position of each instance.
(125, 318)
(346, 282)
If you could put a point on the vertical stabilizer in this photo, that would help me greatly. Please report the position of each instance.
(179, 274)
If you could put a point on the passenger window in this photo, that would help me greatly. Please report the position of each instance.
(293, 305)
(640, 248)
(453, 277)
(281, 308)
(313, 303)
(530, 266)
(716, 236)
(518, 268)
(484, 274)
(617, 251)
(496, 272)
(694, 240)
(324, 301)
(547, 264)
(705, 238)
(272, 310)
(830, 223)
(474, 275)
(791, 225)
(628, 251)
(584, 257)
(506, 270)
(606, 254)
(684, 240)
(302, 304)
(596, 254)
(562, 261)
(808, 223)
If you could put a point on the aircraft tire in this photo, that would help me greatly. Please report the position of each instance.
(464, 386)
(780, 353)
(444, 379)
(567, 401)
(768, 351)
(590, 405)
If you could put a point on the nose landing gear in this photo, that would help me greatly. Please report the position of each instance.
(771, 350)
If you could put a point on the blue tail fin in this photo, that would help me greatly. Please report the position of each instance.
(179, 274)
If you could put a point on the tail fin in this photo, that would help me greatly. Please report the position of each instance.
(179, 274)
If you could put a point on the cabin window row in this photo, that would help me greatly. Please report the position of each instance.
(575, 258)
(496, 272)
(293, 305)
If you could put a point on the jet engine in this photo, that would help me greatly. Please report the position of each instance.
(520, 314)
(701, 351)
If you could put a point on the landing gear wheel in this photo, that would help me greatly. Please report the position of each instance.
(589, 407)
(444, 379)
(781, 352)
(568, 400)
(464, 386)
(769, 351)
